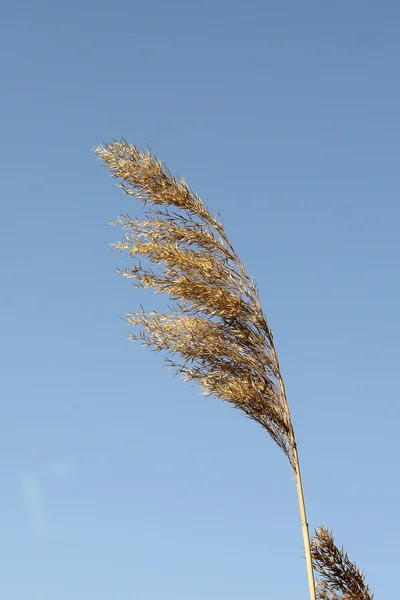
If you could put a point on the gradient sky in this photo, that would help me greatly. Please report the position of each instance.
(117, 481)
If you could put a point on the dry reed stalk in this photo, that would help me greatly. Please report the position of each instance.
(341, 578)
(215, 332)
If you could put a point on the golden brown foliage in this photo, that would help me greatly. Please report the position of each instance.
(341, 578)
(215, 332)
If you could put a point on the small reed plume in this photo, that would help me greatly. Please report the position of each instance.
(341, 578)
(215, 332)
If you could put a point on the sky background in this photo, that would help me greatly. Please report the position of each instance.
(117, 481)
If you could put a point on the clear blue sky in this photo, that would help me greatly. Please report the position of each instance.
(117, 481)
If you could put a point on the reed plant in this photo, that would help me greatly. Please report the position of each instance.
(341, 579)
(214, 332)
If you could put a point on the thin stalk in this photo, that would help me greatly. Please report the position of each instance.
(299, 484)
(304, 526)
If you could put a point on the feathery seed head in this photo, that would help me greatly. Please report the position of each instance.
(216, 334)
(341, 578)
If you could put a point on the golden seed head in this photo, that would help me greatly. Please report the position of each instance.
(215, 333)
(341, 578)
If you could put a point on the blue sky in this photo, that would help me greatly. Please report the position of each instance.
(117, 480)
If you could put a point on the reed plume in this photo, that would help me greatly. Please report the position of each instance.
(341, 578)
(215, 332)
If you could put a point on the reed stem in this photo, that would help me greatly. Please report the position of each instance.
(299, 485)
(304, 525)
